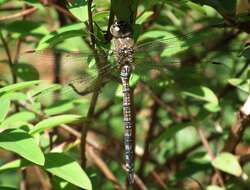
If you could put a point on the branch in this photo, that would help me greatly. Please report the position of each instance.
(20, 14)
(10, 62)
(237, 131)
(148, 138)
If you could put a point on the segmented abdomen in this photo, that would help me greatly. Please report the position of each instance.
(128, 123)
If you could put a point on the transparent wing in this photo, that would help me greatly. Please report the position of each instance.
(77, 71)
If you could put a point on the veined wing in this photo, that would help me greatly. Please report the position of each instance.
(76, 70)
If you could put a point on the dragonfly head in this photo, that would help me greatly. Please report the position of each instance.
(120, 29)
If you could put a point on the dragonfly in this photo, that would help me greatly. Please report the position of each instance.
(127, 58)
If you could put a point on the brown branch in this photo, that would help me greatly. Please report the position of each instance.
(244, 159)
(237, 131)
(86, 124)
(148, 138)
(64, 11)
(10, 62)
(20, 14)
(104, 168)
(204, 141)
(3, 9)
(161, 103)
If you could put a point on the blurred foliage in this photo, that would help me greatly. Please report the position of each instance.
(191, 77)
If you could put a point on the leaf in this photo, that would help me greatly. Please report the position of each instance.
(23, 144)
(35, 3)
(68, 169)
(15, 96)
(19, 86)
(228, 163)
(169, 133)
(240, 84)
(205, 94)
(26, 72)
(79, 8)
(222, 6)
(59, 107)
(41, 90)
(26, 27)
(5, 106)
(63, 33)
(7, 188)
(101, 15)
(246, 53)
(13, 165)
(18, 118)
(143, 17)
(54, 122)
(214, 187)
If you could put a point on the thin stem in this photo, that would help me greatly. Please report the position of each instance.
(20, 14)
(10, 62)
(203, 139)
(84, 129)
(148, 139)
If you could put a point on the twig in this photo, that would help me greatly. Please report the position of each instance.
(203, 139)
(94, 98)
(104, 168)
(84, 129)
(148, 138)
(20, 14)
(40, 177)
(111, 20)
(158, 180)
(64, 11)
(10, 62)
(244, 159)
(237, 131)
(161, 103)
(10, 9)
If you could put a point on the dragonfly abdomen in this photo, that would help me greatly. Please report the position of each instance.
(128, 123)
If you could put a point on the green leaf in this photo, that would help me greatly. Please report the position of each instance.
(63, 33)
(13, 165)
(68, 169)
(240, 84)
(54, 122)
(18, 119)
(205, 94)
(169, 133)
(19, 86)
(42, 90)
(214, 187)
(7, 188)
(35, 3)
(101, 15)
(15, 96)
(59, 107)
(222, 6)
(246, 53)
(143, 17)
(23, 144)
(26, 72)
(5, 106)
(26, 27)
(79, 8)
(228, 163)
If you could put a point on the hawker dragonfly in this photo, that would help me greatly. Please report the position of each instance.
(125, 58)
